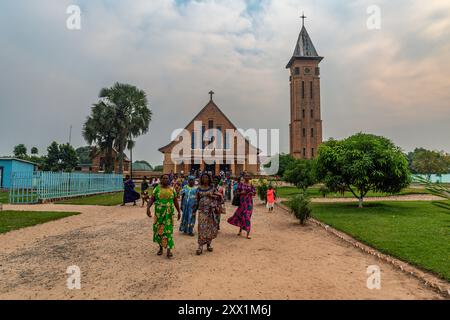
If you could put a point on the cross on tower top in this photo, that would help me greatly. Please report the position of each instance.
(303, 19)
(211, 93)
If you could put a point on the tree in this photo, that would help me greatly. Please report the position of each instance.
(34, 151)
(132, 115)
(85, 154)
(20, 151)
(430, 162)
(68, 158)
(284, 161)
(362, 163)
(100, 129)
(301, 173)
(159, 168)
(51, 162)
(60, 158)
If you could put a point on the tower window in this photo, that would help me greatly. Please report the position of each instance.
(297, 71)
(210, 124)
(304, 152)
(317, 71)
(303, 89)
(304, 132)
(312, 113)
(312, 152)
(312, 132)
(311, 89)
(303, 113)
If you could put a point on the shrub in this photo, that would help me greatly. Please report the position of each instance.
(261, 189)
(300, 207)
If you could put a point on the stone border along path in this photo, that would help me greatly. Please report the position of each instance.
(439, 285)
(113, 248)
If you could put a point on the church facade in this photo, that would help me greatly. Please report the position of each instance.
(225, 153)
(305, 129)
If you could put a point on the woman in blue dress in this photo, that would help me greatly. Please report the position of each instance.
(188, 206)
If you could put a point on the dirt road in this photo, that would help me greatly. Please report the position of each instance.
(113, 248)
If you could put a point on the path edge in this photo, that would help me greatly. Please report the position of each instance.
(437, 284)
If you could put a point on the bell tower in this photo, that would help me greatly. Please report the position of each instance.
(306, 120)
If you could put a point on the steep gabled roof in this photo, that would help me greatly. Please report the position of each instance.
(210, 104)
(304, 48)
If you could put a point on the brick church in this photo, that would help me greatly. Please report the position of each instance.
(306, 121)
(212, 117)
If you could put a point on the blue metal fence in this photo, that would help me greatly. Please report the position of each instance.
(34, 187)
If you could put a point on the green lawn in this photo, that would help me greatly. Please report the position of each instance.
(4, 197)
(286, 192)
(13, 220)
(110, 199)
(417, 232)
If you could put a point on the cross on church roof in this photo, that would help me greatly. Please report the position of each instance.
(211, 93)
(303, 19)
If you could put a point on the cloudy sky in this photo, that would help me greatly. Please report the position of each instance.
(393, 82)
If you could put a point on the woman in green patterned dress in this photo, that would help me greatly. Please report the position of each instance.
(165, 199)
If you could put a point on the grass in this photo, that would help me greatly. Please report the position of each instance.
(287, 192)
(417, 232)
(109, 200)
(13, 220)
(4, 197)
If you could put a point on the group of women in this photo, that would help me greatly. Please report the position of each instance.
(203, 202)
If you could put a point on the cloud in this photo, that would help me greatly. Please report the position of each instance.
(388, 82)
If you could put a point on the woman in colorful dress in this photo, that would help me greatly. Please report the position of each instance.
(188, 205)
(243, 215)
(208, 209)
(165, 199)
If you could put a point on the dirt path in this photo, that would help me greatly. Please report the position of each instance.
(113, 248)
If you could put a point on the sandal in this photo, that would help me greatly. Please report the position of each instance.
(199, 251)
(169, 254)
(210, 249)
(160, 252)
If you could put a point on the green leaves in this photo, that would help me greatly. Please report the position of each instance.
(365, 162)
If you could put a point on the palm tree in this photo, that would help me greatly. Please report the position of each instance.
(132, 115)
(100, 129)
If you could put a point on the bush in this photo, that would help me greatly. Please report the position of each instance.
(300, 207)
(261, 189)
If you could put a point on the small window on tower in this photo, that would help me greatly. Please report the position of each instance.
(210, 124)
(311, 89)
(304, 152)
(297, 71)
(303, 113)
(312, 113)
(303, 89)
(312, 132)
(312, 153)
(304, 132)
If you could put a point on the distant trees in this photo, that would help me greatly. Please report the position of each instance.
(60, 158)
(284, 161)
(20, 151)
(301, 173)
(362, 163)
(34, 151)
(159, 168)
(121, 114)
(427, 162)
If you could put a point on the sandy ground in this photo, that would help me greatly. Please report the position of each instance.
(113, 248)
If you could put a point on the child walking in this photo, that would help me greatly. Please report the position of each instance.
(271, 197)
